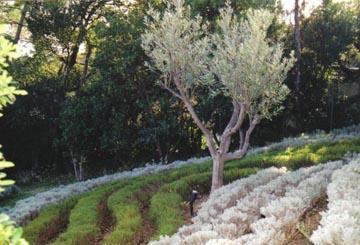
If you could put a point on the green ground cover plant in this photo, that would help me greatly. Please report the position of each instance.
(165, 205)
(166, 208)
(49, 222)
(83, 226)
(296, 157)
(126, 209)
(173, 187)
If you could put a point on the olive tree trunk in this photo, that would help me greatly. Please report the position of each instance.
(220, 148)
(217, 173)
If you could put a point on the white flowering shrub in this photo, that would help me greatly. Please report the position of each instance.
(236, 220)
(227, 196)
(282, 214)
(220, 200)
(340, 224)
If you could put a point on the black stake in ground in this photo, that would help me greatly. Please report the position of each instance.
(194, 195)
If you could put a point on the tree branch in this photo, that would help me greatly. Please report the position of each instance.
(242, 150)
(209, 138)
(234, 116)
(170, 90)
(242, 139)
(233, 126)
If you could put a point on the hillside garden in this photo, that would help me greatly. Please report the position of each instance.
(179, 122)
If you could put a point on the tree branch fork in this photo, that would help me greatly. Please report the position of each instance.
(217, 150)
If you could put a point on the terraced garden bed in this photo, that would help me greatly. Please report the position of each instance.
(121, 212)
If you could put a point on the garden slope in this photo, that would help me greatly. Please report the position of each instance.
(172, 188)
(262, 210)
(26, 208)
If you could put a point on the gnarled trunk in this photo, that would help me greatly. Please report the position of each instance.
(218, 173)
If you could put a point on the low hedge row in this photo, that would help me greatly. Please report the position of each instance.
(296, 157)
(84, 226)
(49, 223)
(126, 213)
(126, 209)
(165, 205)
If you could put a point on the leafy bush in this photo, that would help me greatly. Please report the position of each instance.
(9, 234)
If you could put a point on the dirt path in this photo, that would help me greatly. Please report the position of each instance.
(309, 222)
(55, 228)
(143, 197)
(106, 221)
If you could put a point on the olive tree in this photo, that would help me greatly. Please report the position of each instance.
(238, 58)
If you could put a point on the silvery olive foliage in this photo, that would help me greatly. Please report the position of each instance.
(250, 67)
(177, 44)
(237, 59)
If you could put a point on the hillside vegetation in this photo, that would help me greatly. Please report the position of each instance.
(143, 208)
(182, 122)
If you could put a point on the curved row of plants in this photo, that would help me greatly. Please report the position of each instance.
(84, 226)
(125, 204)
(166, 207)
(74, 219)
(80, 215)
(49, 223)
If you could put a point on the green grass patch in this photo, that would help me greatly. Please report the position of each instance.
(166, 211)
(296, 157)
(84, 218)
(50, 222)
(165, 205)
(176, 185)
(126, 213)
(126, 209)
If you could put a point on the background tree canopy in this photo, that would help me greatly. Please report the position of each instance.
(91, 98)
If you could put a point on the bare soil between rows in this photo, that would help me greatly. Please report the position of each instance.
(143, 197)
